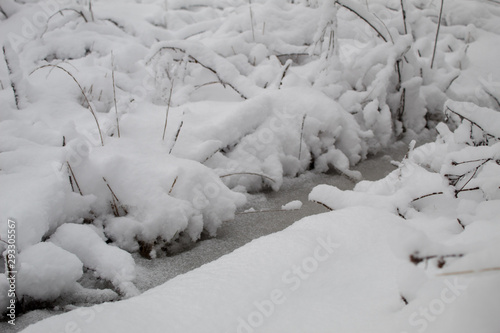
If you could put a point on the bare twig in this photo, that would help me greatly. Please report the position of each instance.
(266, 211)
(168, 109)
(196, 61)
(471, 177)
(364, 19)
(74, 178)
(115, 199)
(492, 96)
(91, 11)
(437, 33)
(427, 195)
(176, 136)
(451, 82)
(402, 105)
(81, 90)
(285, 69)
(114, 92)
(322, 204)
(302, 134)
(61, 11)
(3, 12)
(251, 19)
(173, 184)
(403, 12)
(483, 270)
(469, 120)
(416, 259)
(248, 173)
(15, 89)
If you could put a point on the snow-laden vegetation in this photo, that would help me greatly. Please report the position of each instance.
(140, 125)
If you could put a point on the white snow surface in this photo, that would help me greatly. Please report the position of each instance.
(344, 271)
(292, 205)
(46, 271)
(142, 125)
(108, 262)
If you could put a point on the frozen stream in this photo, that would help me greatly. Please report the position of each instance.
(245, 227)
(249, 226)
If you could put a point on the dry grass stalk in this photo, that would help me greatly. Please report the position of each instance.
(173, 184)
(301, 134)
(81, 90)
(17, 98)
(322, 204)
(251, 19)
(116, 202)
(114, 92)
(489, 269)
(248, 173)
(437, 33)
(74, 178)
(176, 136)
(168, 109)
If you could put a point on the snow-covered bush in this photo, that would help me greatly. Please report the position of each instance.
(449, 190)
(190, 99)
(46, 271)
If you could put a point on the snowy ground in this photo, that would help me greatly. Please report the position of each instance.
(131, 130)
(244, 228)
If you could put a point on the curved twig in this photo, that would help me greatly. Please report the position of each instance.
(196, 61)
(248, 173)
(364, 19)
(81, 90)
(437, 33)
(61, 12)
(322, 204)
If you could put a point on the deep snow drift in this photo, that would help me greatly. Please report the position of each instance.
(140, 126)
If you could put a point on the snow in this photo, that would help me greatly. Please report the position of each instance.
(46, 271)
(108, 262)
(341, 263)
(292, 205)
(132, 130)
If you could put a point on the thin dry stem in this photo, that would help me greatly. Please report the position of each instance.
(251, 19)
(173, 184)
(17, 98)
(483, 270)
(115, 199)
(248, 173)
(74, 178)
(176, 136)
(168, 109)
(364, 19)
(81, 90)
(301, 134)
(437, 33)
(287, 66)
(322, 204)
(114, 92)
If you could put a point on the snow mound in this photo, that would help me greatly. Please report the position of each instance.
(292, 205)
(347, 271)
(108, 262)
(46, 271)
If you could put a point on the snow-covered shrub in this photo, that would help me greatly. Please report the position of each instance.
(460, 166)
(46, 271)
(108, 262)
(207, 96)
(448, 192)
